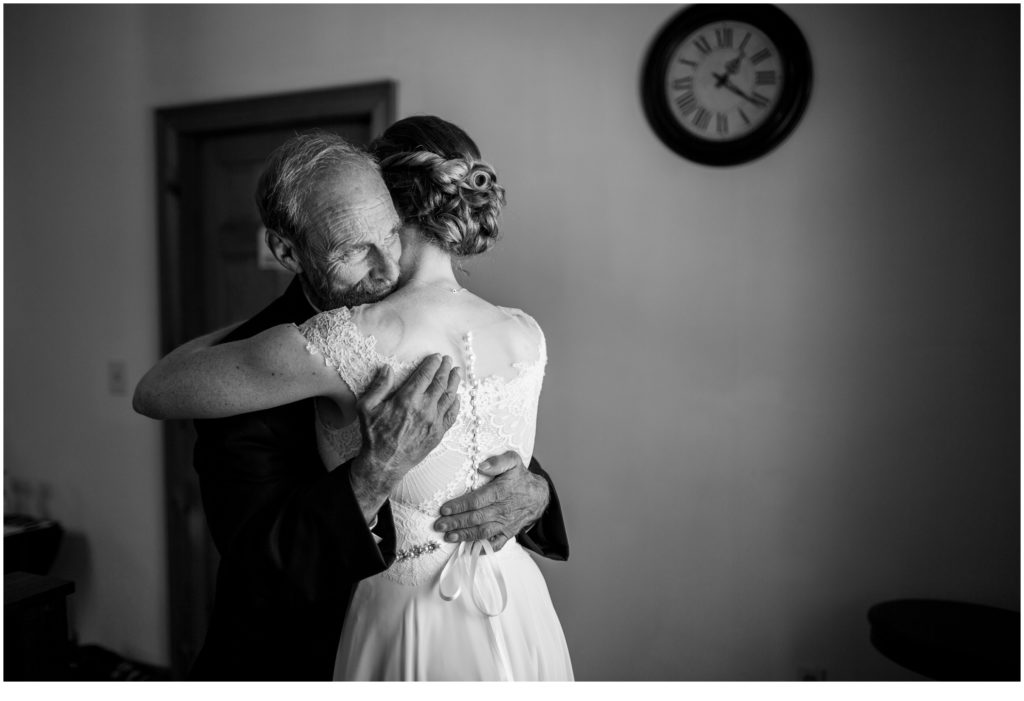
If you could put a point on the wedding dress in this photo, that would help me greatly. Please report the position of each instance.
(447, 611)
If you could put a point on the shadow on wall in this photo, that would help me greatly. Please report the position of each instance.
(24, 497)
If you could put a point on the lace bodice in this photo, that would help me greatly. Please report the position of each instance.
(497, 413)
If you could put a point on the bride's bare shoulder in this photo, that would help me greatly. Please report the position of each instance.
(383, 321)
(525, 329)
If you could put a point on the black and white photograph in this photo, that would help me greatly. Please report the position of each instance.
(588, 342)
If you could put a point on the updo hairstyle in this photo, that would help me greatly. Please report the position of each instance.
(437, 181)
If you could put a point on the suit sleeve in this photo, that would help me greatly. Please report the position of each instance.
(276, 511)
(546, 536)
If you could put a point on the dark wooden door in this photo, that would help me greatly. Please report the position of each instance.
(216, 270)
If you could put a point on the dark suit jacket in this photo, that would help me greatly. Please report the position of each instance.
(291, 536)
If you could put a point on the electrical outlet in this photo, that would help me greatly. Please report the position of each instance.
(117, 378)
(811, 674)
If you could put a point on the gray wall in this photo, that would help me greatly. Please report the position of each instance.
(777, 393)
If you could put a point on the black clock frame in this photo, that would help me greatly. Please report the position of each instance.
(795, 58)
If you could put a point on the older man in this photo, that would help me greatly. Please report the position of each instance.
(295, 538)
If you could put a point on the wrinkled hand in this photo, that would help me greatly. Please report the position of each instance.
(503, 507)
(399, 430)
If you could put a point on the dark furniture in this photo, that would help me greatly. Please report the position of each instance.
(948, 640)
(30, 544)
(36, 645)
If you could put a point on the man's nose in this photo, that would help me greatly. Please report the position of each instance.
(385, 266)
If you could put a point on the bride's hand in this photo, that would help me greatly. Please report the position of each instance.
(499, 510)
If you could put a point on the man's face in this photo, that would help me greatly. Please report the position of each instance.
(353, 248)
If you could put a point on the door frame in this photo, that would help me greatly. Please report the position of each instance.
(180, 131)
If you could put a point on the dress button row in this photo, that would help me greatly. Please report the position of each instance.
(477, 422)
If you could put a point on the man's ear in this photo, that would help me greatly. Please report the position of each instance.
(284, 250)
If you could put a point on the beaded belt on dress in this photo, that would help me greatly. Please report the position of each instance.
(463, 569)
(416, 550)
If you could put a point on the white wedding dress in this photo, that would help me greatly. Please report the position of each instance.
(446, 611)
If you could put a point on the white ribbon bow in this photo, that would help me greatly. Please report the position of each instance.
(450, 587)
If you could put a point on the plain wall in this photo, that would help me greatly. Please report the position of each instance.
(80, 276)
(777, 394)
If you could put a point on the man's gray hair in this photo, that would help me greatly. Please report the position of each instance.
(293, 172)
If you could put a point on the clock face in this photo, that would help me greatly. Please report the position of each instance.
(723, 80)
(725, 84)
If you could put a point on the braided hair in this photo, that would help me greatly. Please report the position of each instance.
(439, 182)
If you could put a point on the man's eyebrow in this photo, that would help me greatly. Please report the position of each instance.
(338, 249)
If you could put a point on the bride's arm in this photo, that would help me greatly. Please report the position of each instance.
(206, 340)
(200, 381)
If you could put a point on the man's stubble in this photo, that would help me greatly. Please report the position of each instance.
(317, 285)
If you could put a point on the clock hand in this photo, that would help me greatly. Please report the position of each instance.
(730, 68)
(731, 87)
(734, 65)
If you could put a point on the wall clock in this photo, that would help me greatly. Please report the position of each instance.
(725, 84)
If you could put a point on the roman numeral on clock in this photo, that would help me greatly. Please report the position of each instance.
(721, 124)
(759, 99)
(702, 118)
(764, 78)
(761, 55)
(724, 37)
(683, 83)
(686, 102)
(702, 45)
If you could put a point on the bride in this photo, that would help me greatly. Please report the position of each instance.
(442, 611)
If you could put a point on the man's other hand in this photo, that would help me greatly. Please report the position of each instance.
(401, 429)
(499, 510)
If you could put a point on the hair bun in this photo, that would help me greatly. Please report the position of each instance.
(457, 200)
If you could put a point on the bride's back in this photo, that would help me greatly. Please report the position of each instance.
(414, 323)
(503, 354)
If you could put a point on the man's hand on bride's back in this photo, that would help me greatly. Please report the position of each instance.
(499, 510)
(401, 427)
